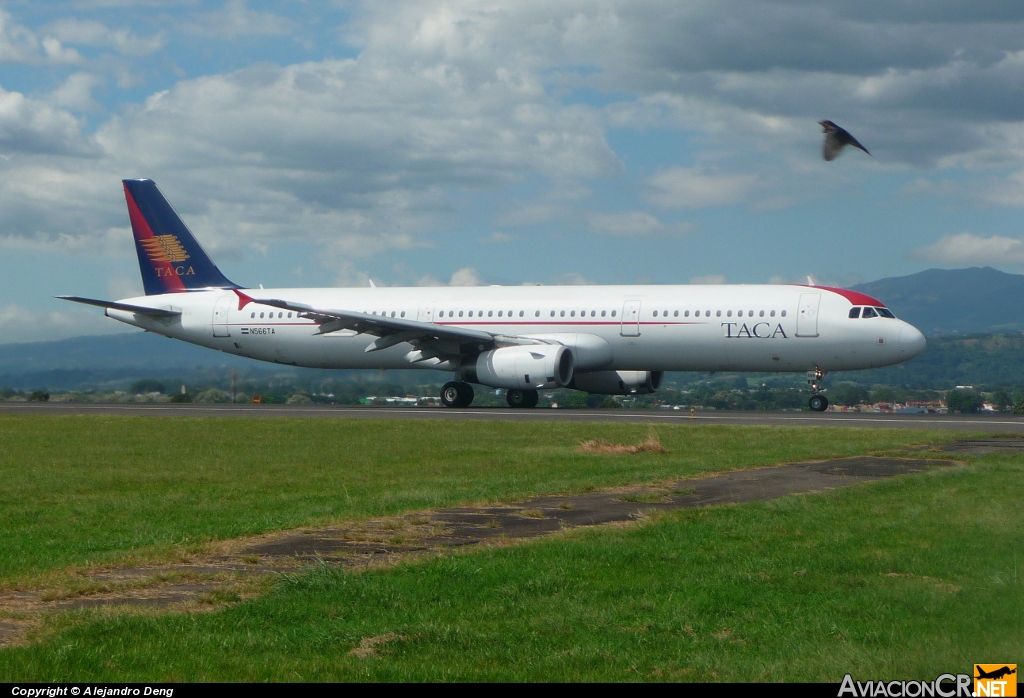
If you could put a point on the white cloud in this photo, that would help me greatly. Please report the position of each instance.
(357, 155)
(465, 277)
(235, 19)
(30, 126)
(93, 33)
(1008, 191)
(21, 45)
(692, 187)
(967, 248)
(712, 279)
(76, 92)
(633, 223)
(572, 278)
(498, 238)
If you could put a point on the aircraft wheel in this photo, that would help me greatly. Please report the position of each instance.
(818, 403)
(455, 394)
(522, 398)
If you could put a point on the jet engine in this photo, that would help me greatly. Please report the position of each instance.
(529, 367)
(618, 382)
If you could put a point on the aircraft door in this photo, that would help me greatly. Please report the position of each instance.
(425, 315)
(807, 315)
(630, 319)
(220, 316)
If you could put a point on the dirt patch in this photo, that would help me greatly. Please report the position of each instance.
(649, 445)
(368, 645)
(981, 447)
(238, 569)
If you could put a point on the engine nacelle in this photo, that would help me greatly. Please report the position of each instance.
(530, 367)
(618, 382)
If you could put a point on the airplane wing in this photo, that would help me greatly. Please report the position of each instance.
(141, 310)
(429, 340)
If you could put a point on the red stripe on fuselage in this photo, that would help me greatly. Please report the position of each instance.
(855, 297)
(165, 270)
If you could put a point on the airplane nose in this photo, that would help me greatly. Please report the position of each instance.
(912, 342)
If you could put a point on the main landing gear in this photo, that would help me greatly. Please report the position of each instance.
(457, 394)
(818, 402)
(522, 398)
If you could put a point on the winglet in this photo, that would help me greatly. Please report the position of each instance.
(243, 300)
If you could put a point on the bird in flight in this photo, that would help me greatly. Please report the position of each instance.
(837, 138)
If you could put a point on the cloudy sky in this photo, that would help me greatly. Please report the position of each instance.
(435, 142)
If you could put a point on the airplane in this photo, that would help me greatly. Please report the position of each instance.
(610, 340)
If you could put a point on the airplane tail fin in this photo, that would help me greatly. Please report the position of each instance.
(170, 258)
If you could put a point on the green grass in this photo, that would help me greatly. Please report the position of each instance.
(905, 578)
(88, 489)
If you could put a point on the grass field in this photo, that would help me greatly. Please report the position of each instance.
(80, 490)
(905, 578)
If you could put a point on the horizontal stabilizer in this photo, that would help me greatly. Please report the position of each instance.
(151, 312)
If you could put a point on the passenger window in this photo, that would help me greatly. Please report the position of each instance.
(460, 313)
(613, 313)
(675, 313)
(261, 315)
(707, 313)
(655, 313)
(718, 313)
(562, 313)
(687, 313)
(854, 313)
(728, 313)
(471, 313)
(403, 314)
(885, 312)
(392, 313)
(750, 313)
(603, 313)
(593, 313)
(552, 313)
(783, 313)
(499, 313)
(280, 314)
(772, 313)
(253, 315)
(490, 313)
(572, 313)
(289, 314)
(869, 312)
(761, 314)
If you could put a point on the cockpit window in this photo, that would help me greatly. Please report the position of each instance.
(854, 312)
(869, 312)
(885, 312)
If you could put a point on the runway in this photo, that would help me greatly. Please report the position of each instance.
(997, 423)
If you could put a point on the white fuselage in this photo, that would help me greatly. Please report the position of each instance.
(646, 328)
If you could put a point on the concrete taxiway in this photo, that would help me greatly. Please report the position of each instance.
(997, 423)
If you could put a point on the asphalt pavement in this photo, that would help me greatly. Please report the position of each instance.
(995, 423)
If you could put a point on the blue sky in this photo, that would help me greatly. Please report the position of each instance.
(436, 142)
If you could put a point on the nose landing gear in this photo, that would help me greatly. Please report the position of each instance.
(818, 402)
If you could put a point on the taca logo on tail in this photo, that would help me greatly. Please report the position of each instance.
(170, 257)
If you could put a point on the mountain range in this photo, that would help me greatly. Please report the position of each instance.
(954, 301)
